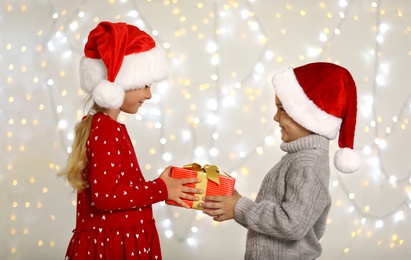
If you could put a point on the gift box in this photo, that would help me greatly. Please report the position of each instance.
(213, 182)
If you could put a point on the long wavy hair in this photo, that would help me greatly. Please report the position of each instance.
(77, 160)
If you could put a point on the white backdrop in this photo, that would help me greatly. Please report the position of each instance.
(216, 107)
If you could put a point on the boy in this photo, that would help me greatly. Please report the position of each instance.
(288, 218)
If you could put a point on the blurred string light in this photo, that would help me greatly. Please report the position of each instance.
(56, 42)
(380, 141)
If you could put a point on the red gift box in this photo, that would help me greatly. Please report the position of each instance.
(212, 182)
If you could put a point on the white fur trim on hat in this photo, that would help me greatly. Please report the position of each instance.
(108, 94)
(92, 71)
(141, 69)
(301, 109)
(137, 71)
(347, 160)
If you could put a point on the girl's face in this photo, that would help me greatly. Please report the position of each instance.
(133, 99)
(290, 130)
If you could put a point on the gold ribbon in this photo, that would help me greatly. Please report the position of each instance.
(211, 171)
(208, 172)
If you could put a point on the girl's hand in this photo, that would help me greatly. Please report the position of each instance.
(176, 189)
(221, 208)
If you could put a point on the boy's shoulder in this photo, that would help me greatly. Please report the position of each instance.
(309, 158)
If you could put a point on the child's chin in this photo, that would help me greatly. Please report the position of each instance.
(131, 111)
(285, 138)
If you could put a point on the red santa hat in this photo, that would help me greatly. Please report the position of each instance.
(322, 97)
(119, 57)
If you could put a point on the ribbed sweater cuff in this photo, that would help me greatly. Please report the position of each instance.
(241, 209)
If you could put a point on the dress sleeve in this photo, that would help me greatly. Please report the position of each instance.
(305, 200)
(109, 180)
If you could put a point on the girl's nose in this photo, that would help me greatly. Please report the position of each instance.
(148, 93)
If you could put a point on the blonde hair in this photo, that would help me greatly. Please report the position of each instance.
(77, 160)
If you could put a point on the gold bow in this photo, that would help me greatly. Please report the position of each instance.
(211, 171)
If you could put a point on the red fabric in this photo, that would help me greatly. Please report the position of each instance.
(114, 214)
(333, 90)
(112, 41)
(324, 84)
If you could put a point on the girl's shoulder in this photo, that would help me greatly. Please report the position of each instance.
(102, 118)
(104, 124)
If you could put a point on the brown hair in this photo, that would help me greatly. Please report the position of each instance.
(77, 159)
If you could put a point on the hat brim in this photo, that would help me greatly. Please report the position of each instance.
(137, 71)
(301, 109)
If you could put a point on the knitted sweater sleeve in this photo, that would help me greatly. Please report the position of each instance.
(113, 170)
(288, 210)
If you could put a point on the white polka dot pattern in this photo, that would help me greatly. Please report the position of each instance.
(114, 213)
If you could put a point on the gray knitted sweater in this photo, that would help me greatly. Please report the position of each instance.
(288, 217)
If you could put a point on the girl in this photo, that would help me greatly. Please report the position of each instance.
(114, 217)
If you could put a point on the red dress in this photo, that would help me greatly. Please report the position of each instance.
(114, 215)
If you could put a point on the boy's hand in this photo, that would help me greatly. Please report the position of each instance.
(221, 208)
(176, 189)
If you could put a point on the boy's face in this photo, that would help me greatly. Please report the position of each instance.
(290, 130)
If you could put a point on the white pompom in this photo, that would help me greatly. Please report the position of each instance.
(108, 94)
(347, 160)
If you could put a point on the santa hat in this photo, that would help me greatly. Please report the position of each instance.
(322, 97)
(119, 57)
